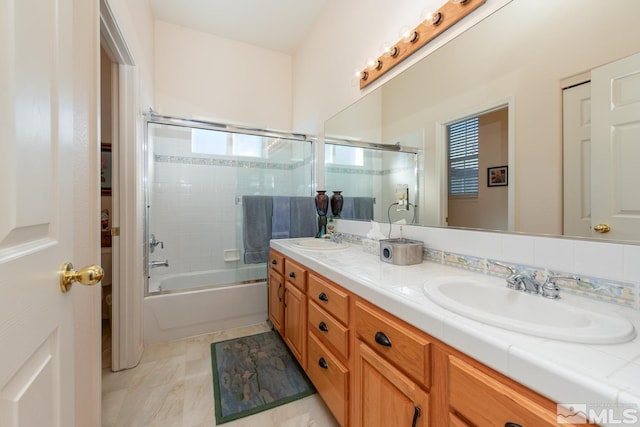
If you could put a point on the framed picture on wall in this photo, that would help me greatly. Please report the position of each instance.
(497, 176)
(105, 168)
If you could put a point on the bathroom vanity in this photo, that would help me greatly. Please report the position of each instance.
(380, 353)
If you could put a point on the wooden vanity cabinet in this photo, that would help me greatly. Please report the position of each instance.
(276, 290)
(288, 303)
(373, 369)
(295, 310)
(385, 396)
(276, 301)
(477, 398)
(329, 345)
(392, 371)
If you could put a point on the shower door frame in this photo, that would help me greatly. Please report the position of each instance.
(152, 117)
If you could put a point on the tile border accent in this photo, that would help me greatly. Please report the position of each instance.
(363, 171)
(211, 161)
(604, 290)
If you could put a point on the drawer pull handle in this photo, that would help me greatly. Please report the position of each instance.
(274, 262)
(416, 415)
(382, 339)
(323, 327)
(323, 297)
(512, 425)
(292, 275)
(323, 363)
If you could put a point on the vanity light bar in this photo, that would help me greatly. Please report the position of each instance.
(442, 19)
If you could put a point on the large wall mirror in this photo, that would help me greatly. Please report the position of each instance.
(548, 93)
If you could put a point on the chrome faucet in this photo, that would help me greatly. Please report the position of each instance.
(155, 264)
(153, 243)
(527, 283)
(522, 281)
(336, 237)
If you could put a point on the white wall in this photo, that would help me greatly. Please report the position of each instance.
(343, 38)
(199, 75)
(135, 20)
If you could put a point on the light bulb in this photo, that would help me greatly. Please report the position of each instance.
(409, 35)
(390, 51)
(430, 18)
(374, 64)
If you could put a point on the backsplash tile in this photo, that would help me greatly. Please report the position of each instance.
(609, 272)
(465, 262)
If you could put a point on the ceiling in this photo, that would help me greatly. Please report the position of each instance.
(279, 25)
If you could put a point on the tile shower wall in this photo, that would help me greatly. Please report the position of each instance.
(195, 208)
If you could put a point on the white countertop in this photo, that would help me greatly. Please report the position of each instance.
(601, 376)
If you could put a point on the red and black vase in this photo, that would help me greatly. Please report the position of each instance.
(336, 203)
(322, 207)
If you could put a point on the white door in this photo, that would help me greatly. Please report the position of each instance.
(576, 108)
(615, 148)
(43, 150)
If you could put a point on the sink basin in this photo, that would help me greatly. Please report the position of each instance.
(529, 314)
(320, 244)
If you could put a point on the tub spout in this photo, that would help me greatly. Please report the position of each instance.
(155, 264)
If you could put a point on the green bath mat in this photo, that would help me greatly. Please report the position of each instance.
(255, 373)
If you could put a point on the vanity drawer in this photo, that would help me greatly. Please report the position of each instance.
(404, 348)
(330, 378)
(329, 329)
(295, 274)
(276, 261)
(485, 401)
(329, 297)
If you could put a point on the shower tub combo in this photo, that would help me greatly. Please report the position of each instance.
(196, 174)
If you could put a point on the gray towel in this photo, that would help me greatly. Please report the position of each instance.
(363, 208)
(256, 228)
(348, 209)
(281, 220)
(303, 217)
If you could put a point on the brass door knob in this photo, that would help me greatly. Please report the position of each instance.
(602, 228)
(88, 276)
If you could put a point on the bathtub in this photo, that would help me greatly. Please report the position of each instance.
(198, 303)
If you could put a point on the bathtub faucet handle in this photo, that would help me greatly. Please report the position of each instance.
(153, 242)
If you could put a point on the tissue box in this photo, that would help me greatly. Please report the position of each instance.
(401, 251)
(371, 246)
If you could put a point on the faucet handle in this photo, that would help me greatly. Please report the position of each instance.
(514, 281)
(508, 267)
(550, 288)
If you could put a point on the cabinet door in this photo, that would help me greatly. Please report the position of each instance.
(276, 301)
(295, 322)
(486, 402)
(384, 395)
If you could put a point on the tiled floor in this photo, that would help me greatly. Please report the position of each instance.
(172, 386)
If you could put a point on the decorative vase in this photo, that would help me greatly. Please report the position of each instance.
(322, 206)
(336, 203)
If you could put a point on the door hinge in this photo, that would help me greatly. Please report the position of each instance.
(115, 231)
